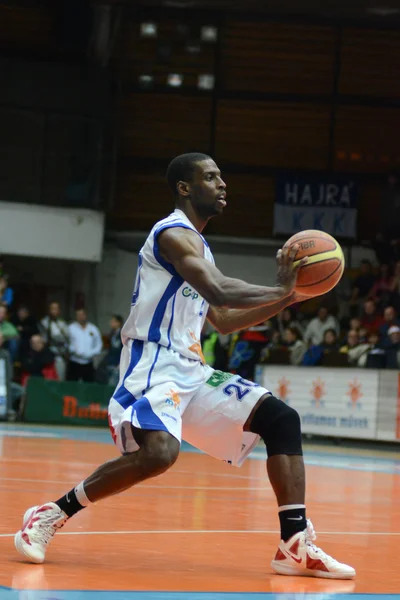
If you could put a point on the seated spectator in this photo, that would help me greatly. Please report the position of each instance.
(390, 319)
(10, 334)
(247, 349)
(114, 351)
(6, 293)
(297, 347)
(214, 351)
(287, 318)
(27, 326)
(56, 335)
(371, 319)
(381, 291)
(16, 389)
(315, 355)
(356, 352)
(38, 360)
(317, 327)
(85, 344)
(393, 351)
(362, 286)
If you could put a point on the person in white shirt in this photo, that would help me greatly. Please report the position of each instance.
(316, 328)
(54, 330)
(85, 344)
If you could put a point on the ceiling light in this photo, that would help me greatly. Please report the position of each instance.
(148, 30)
(175, 80)
(383, 11)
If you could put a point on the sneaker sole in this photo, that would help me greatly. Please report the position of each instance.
(19, 542)
(288, 570)
(19, 545)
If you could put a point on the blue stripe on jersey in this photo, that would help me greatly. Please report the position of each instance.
(156, 248)
(152, 367)
(172, 287)
(171, 321)
(122, 396)
(146, 417)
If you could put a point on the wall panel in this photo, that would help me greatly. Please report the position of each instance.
(370, 63)
(163, 125)
(277, 57)
(284, 135)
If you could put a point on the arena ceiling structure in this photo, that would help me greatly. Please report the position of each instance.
(383, 11)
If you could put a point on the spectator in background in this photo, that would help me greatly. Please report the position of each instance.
(214, 347)
(390, 319)
(393, 350)
(27, 326)
(114, 351)
(382, 289)
(362, 286)
(315, 355)
(16, 389)
(85, 344)
(317, 327)
(372, 320)
(356, 352)
(10, 334)
(56, 335)
(297, 347)
(247, 350)
(6, 293)
(287, 318)
(38, 358)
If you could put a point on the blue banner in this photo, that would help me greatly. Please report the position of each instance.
(326, 203)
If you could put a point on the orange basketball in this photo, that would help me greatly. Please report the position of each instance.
(325, 265)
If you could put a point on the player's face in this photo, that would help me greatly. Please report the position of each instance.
(208, 190)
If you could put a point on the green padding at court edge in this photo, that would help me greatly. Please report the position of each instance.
(67, 402)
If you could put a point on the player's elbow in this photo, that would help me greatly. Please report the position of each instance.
(215, 297)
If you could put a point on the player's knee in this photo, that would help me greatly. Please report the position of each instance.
(279, 426)
(161, 453)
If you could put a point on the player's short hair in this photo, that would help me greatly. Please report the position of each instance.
(118, 318)
(181, 168)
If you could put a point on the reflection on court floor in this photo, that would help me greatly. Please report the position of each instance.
(203, 531)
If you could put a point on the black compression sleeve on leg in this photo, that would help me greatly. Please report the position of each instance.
(279, 426)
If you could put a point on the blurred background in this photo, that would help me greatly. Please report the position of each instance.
(299, 104)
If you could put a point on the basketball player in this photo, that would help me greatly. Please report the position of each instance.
(165, 386)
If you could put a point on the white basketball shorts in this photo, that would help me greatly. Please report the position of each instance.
(161, 390)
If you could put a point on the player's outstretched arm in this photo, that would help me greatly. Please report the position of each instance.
(183, 249)
(229, 320)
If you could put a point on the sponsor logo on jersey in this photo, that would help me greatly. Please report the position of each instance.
(173, 399)
(187, 292)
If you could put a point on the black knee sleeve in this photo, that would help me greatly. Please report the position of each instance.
(279, 426)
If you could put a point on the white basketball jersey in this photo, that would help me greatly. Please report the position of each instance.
(165, 308)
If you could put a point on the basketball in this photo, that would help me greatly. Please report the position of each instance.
(325, 265)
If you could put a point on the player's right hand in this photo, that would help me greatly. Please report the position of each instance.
(286, 276)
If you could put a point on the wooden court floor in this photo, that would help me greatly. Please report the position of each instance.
(204, 530)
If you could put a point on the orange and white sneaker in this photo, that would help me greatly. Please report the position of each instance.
(40, 523)
(299, 556)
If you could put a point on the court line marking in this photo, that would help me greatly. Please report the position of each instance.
(203, 531)
(150, 487)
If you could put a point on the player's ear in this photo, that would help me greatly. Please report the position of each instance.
(183, 188)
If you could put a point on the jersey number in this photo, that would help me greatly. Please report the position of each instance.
(241, 388)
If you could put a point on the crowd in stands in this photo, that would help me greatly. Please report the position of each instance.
(53, 349)
(359, 327)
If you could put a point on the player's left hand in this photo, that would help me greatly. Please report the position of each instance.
(287, 272)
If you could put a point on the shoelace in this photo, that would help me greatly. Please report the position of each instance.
(311, 536)
(47, 527)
